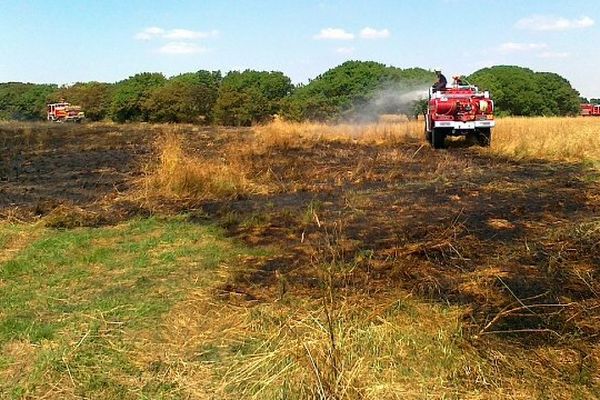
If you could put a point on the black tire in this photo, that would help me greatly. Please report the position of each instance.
(438, 138)
(484, 137)
(472, 138)
(427, 135)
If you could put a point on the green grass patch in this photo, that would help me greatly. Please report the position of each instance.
(79, 295)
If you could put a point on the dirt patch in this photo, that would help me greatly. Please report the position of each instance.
(59, 165)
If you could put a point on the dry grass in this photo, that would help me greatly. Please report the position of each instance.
(151, 318)
(229, 172)
(179, 175)
(550, 138)
(285, 134)
(284, 351)
(386, 347)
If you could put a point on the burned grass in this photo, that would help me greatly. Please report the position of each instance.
(438, 226)
(45, 165)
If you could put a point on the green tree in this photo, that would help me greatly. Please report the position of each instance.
(354, 88)
(250, 96)
(562, 98)
(184, 98)
(131, 94)
(24, 101)
(521, 91)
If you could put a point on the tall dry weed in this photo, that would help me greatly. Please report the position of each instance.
(284, 134)
(179, 175)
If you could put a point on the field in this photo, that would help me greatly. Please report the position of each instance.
(294, 261)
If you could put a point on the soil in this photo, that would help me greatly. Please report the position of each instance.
(51, 165)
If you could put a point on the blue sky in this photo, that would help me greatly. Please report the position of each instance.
(68, 41)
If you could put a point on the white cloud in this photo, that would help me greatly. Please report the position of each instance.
(176, 41)
(334, 34)
(553, 23)
(181, 48)
(512, 47)
(372, 33)
(553, 54)
(344, 50)
(149, 33)
(186, 34)
(173, 34)
(540, 50)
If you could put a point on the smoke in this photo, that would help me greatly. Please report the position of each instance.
(390, 100)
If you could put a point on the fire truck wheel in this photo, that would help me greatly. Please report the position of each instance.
(438, 138)
(472, 138)
(485, 137)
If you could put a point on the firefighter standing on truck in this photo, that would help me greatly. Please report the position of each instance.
(441, 83)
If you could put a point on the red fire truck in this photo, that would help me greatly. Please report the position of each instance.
(590, 110)
(459, 110)
(65, 112)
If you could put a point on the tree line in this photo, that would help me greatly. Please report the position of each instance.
(589, 101)
(354, 89)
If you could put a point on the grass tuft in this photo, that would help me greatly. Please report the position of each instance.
(179, 175)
